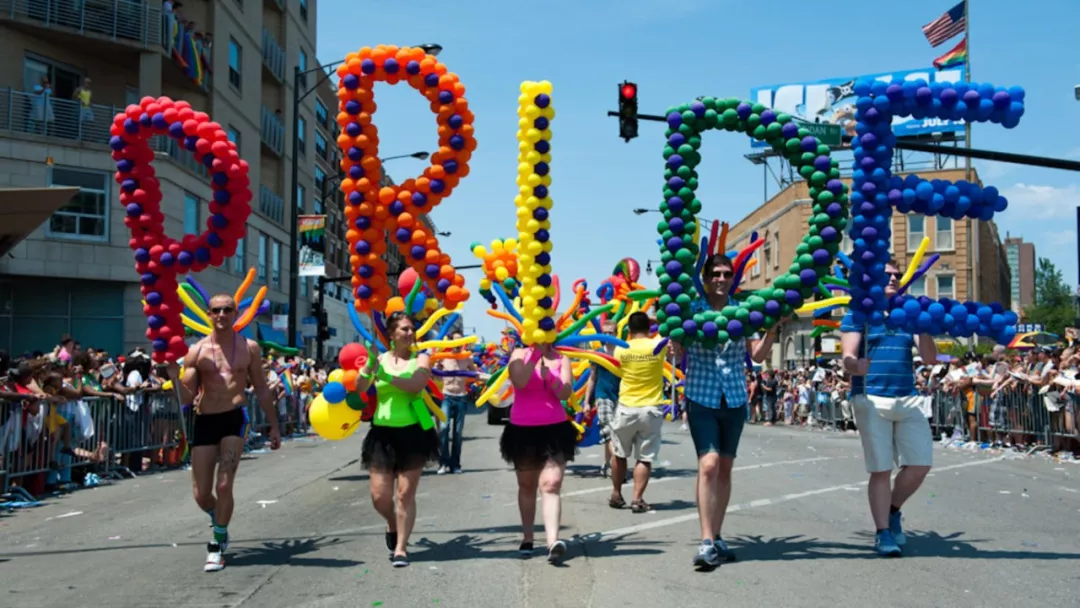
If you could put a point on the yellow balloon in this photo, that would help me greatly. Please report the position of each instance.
(332, 422)
(335, 376)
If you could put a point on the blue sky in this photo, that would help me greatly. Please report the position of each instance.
(676, 51)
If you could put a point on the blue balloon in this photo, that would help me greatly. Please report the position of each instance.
(912, 308)
(985, 313)
(937, 311)
(898, 317)
(334, 393)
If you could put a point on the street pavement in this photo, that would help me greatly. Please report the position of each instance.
(984, 530)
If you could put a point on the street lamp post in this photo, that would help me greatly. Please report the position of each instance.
(294, 225)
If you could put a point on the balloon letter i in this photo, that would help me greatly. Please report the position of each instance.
(533, 202)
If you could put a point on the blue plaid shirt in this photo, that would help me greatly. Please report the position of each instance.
(715, 374)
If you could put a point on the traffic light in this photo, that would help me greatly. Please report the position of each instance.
(628, 120)
(322, 321)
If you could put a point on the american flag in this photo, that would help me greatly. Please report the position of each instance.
(950, 24)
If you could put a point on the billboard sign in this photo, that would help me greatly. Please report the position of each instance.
(832, 101)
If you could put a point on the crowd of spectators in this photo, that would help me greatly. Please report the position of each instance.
(74, 415)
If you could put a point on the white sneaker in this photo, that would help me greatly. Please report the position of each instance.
(442, 471)
(215, 560)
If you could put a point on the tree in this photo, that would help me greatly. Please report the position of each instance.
(1054, 306)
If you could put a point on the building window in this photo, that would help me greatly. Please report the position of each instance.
(916, 231)
(236, 60)
(755, 270)
(234, 137)
(300, 194)
(321, 113)
(275, 261)
(301, 133)
(239, 259)
(918, 288)
(320, 144)
(303, 9)
(768, 252)
(944, 233)
(301, 62)
(303, 286)
(317, 208)
(320, 179)
(261, 271)
(945, 288)
(191, 213)
(86, 215)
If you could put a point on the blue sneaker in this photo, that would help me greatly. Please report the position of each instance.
(726, 554)
(707, 556)
(896, 529)
(885, 545)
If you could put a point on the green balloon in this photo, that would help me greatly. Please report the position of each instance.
(823, 150)
(668, 193)
(687, 129)
(819, 178)
(663, 228)
(783, 119)
(807, 171)
(774, 130)
(793, 145)
(794, 268)
(813, 231)
(760, 133)
(692, 182)
(834, 173)
(684, 172)
(742, 315)
(754, 121)
(695, 206)
(354, 401)
(668, 151)
(822, 219)
(722, 336)
(756, 302)
(777, 294)
(730, 117)
(758, 108)
(667, 234)
(711, 118)
(802, 248)
(806, 261)
(661, 316)
(825, 198)
(729, 311)
(689, 116)
(807, 158)
(664, 300)
(666, 256)
(677, 334)
(683, 299)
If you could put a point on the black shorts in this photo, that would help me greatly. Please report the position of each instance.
(210, 429)
(531, 447)
(396, 449)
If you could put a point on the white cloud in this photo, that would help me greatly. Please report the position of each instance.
(1042, 202)
(1060, 238)
(991, 170)
(1074, 154)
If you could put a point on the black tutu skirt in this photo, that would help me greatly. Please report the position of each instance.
(531, 447)
(395, 449)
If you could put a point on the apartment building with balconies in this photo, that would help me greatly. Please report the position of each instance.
(232, 59)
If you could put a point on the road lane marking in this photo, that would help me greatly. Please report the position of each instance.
(652, 482)
(671, 521)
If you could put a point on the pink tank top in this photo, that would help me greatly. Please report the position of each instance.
(536, 404)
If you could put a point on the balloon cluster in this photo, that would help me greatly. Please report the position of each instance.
(159, 259)
(944, 199)
(622, 281)
(875, 191)
(336, 412)
(374, 212)
(533, 203)
(680, 261)
(500, 265)
(197, 300)
(923, 315)
(418, 302)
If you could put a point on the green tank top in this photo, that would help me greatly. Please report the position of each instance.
(394, 406)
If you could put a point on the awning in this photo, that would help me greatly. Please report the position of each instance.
(22, 210)
(267, 333)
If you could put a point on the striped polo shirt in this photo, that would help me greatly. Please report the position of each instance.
(889, 351)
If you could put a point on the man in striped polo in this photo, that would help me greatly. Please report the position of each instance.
(889, 414)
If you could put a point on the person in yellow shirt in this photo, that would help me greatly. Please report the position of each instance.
(639, 415)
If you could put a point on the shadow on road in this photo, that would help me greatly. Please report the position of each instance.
(673, 505)
(468, 546)
(289, 552)
(426, 473)
(919, 544)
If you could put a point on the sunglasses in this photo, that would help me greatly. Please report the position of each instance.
(723, 274)
(894, 275)
(222, 310)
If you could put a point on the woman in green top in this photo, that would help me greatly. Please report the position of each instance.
(402, 439)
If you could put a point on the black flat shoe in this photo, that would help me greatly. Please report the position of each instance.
(399, 561)
(526, 549)
(391, 542)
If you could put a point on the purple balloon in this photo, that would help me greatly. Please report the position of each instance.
(734, 328)
(756, 318)
(808, 277)
(363, 292)
(768, 117)
(743, 110)
(790, 130)
(547, 324)
(772, 307)
(792, 297)
(809, 143)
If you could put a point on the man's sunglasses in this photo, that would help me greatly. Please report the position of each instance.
(894, 275)
(222, 310)
(723, 274)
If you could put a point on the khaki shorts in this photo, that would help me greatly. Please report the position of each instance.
(893, 430)
(636, 430)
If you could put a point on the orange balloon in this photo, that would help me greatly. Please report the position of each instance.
(348, 378)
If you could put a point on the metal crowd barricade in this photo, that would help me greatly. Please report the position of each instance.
(1018, 416)
(292, 418)
(107, 437)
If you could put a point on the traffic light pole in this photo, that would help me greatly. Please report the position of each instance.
(321, 313)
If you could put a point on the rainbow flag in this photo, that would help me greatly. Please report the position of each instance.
(957, 56)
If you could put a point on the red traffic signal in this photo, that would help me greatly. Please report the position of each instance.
(629, 90)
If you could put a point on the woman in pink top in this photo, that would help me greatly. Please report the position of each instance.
(540, 439)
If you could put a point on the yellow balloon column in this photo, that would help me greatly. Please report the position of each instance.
(533, 202)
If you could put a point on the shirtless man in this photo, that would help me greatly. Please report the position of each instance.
(217, 370)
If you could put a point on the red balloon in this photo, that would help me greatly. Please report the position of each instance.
(407, 280)
(349, 355)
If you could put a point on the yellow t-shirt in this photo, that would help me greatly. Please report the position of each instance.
(642, 373)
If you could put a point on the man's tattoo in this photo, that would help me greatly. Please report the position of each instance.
(229, 461)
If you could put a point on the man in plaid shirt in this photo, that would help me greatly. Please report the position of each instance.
(716, 399)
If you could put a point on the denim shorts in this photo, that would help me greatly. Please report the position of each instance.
(715, 430)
